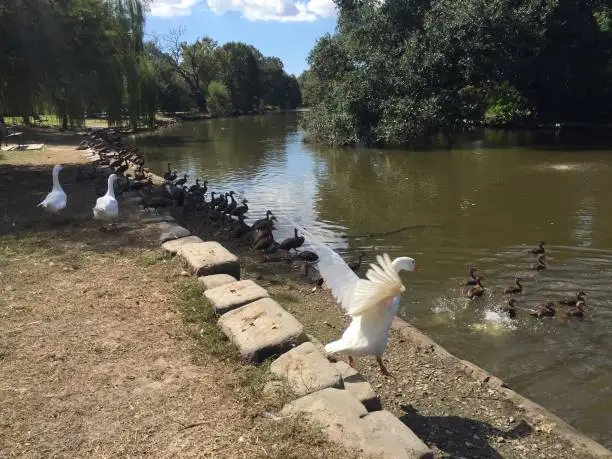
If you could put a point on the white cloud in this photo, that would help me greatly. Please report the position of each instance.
(276, 10)
(171, 8)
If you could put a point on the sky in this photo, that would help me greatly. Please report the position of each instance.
(287, 29)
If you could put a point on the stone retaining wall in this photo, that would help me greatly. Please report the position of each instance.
(333, 394)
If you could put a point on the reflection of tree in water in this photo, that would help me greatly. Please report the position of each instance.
(480, 197)
(222, 149)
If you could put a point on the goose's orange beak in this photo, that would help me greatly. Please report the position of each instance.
(416, 268)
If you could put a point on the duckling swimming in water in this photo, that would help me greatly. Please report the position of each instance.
(546, 310)
(580, 297)
(539, 248)
(472, 279)
(516, 288)
(578, 310)
(476, 291)
(510, 308)
(540, 265)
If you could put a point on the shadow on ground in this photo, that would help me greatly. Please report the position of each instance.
(459, 436)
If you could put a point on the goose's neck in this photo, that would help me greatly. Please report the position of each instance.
(111, 188)
(56, 182)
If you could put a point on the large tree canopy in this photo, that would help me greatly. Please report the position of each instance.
(398, 71)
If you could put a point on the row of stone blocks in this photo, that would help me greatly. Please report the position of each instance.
(333, 394)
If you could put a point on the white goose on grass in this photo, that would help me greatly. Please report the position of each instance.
(371, 303)
(56, 200)
(107, 207)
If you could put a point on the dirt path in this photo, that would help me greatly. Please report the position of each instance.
(97, 349)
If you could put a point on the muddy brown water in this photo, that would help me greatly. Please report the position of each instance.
(483, 203)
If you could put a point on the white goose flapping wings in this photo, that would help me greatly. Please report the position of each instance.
(355, 295)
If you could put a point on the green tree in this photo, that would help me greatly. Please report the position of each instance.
(219, 99)
(398, 71)
(239, 70)
(196, 63)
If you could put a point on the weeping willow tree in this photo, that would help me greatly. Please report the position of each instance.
(75, 57)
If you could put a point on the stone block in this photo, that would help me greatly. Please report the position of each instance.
(262, 329)
(174, 245)
(207, 258)
(169, 231)
(231, 296)
(346, 421)
(216, 280)
(306, 370)
(390, 437)
(358, 387)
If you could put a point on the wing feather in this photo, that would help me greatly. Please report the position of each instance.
(356, 296)
(382, 286)
(340, 279)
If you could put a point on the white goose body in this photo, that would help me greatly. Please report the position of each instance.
(367, 334)
(107, 207)
(371, 303)
(56, 200)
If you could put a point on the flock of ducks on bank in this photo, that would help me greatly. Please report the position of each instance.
(221, 208)
(573, 307)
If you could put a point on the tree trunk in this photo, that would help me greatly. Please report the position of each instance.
(201, 101)
(64, 121)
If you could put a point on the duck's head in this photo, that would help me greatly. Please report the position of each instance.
(232, 193)
(541, 258)
(273, 218)
(512, 302)
(580, 305)
(581, 295)
(542, 243)
(268, 213)
(244, 201)
(57, 168)
(473, 270)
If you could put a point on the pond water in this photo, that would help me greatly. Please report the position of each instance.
(483, 203)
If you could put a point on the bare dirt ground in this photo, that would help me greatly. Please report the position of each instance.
(106, 349)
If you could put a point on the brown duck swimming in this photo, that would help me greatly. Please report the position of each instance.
(580, 297)
(546, 310)
(472, 279)
(476, 291)
(515, 288)
(510, 308)
(577, 311)
(540, 265)
(539, 248)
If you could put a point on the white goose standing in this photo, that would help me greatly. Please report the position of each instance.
(107, 207)
(371, 303)
(56, 199)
